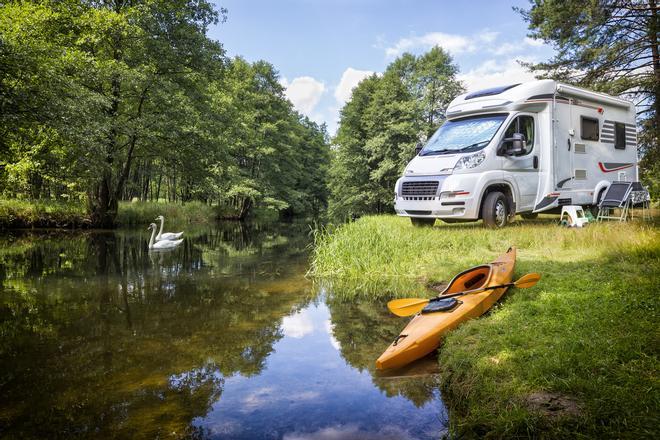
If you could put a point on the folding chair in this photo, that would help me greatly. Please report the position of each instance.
(617, 196)
(640, 197)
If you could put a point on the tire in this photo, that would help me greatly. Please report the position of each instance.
(529, 215)
(422, 222)
(494, 210)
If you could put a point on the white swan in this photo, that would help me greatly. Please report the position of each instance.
(167, 235)
(161, 245)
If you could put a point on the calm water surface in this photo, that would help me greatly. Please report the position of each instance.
(222, 337)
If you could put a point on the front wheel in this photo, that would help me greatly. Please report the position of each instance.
(421, 222)
(494, 210)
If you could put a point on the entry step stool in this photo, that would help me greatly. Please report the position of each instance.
(573, 216)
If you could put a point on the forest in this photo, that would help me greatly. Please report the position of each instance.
(120, 100)
(104, 101)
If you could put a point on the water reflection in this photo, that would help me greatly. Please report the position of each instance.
(221, 337)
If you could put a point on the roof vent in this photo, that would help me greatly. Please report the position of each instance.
(491, 92)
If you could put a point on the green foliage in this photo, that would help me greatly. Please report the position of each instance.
(118, 100)
(587, 331)
(611, 46)
(42, 213)
(381, 124)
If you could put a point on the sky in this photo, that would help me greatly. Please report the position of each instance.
(323, 48)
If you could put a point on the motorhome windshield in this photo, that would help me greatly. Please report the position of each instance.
(463, 135)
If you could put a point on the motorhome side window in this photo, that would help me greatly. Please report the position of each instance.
(525, 125)
(619, 136)
(589, 129)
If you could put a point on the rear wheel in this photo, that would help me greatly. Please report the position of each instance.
(421, 222)
(529, 215)
(494, 210)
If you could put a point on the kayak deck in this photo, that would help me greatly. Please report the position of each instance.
(423, 333)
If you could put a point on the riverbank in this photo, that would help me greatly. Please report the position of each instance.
(15, 214)
(576, 356)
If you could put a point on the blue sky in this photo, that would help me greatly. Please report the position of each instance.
(322, 49)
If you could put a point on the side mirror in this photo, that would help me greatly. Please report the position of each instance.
(513, 146)
(418, 148)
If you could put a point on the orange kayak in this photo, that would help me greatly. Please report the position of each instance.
(423, 333)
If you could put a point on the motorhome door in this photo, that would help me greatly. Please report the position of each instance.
(524, 167)
(564, 143)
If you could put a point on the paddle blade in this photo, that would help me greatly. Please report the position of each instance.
(407, 306)
(528, 280)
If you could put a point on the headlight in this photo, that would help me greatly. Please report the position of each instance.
(471, 161)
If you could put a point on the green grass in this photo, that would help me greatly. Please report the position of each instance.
(53, 214)
(588, 332)
(27, 213)
(140, 213)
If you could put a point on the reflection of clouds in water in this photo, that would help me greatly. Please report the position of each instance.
(258, 398)
(350, 432)
(224, 428)
(269, 396)
(298, 325)
(330, 329)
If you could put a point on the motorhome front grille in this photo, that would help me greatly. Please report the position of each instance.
(419, 188)
(418, 198)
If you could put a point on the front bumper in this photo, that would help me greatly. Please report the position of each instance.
(415, 198)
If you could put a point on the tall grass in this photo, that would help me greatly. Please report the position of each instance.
(55, 214)
(137, 213)
(586, 334)
(384, 256)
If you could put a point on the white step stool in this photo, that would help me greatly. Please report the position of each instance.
(573, 216)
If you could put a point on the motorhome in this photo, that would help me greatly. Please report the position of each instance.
(519, 149)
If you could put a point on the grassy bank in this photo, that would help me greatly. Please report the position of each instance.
(42, 214)
(576, 356)
(53, 214)
(141, 213)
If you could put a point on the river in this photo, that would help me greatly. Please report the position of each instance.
(223, 337)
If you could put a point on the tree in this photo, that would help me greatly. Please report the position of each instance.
(607, 45)
(381, 124)
(118, 99)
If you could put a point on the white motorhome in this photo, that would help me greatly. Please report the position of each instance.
(523, 148)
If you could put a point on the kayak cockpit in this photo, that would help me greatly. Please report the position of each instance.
(473, 278)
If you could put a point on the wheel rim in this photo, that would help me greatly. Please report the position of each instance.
(500, 213)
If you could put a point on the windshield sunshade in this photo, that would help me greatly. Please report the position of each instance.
(462, 135)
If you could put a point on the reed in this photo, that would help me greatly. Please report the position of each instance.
(143, 213)
(15, 213)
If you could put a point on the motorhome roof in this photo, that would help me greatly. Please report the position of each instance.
(499, 98)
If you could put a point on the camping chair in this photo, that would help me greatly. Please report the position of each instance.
(640, 197)
(617, 196)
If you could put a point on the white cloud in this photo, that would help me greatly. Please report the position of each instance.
(349, 79)
(352, 432)
(297, 325)
(532, 42)
(330, 329)
(487, 36)
(506, 48)
(450, 42)
(493, 73)
(304, 93)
